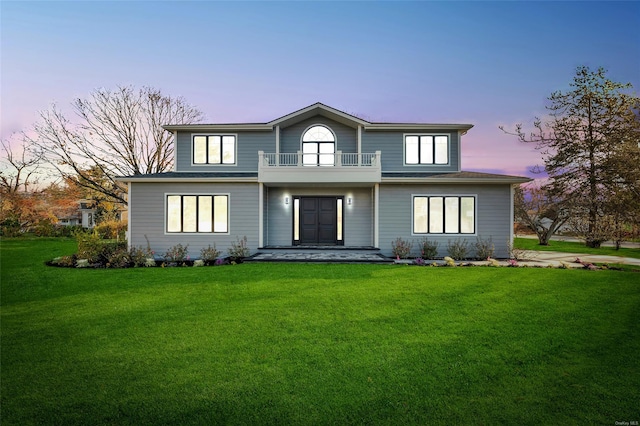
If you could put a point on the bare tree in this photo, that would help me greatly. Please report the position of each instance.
(592, 128)
(537, 208)
(119, 133)
(18, 168)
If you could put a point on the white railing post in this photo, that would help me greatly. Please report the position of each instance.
(299, 159)
(338, 159)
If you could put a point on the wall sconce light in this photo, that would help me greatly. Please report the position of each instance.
(286, 200)
(349, 200)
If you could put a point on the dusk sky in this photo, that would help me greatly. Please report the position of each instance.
(484, 63)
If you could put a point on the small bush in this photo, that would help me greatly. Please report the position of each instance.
(140, 255)
(400, 248)
(209, 254)
(458, 249)
(239, 248)
(429, 249)
(198, 263)
(484, 248)
(118, 258)
(177, 253)
(90, 246)
(111, 229)
(10, 227)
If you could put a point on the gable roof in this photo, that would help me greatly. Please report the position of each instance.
(311, 111)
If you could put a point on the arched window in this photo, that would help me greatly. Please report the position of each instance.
(318, 146)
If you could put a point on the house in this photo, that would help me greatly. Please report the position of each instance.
(318, 177)
(81, 215)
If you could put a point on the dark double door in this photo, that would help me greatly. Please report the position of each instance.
(318, 221)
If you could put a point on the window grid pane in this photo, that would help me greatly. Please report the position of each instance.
(411, 150)
(426, 149)
(441, 150)
(228, 149)
(420, 216)
(220, 214)
(199, 149)
(214, 149)
(436, 215)
(205, 213)
(467, 215)
(451, 215)
(174, 213)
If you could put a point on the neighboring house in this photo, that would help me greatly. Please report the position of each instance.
(318, 176)
(83, 215)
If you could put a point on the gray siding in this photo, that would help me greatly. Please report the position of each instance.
(358, 222)
(248, 145)
(492, 215)
(391, 144)
(346, 137)
(147, 215)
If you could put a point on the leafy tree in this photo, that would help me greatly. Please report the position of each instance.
(119, 133)
(536, 207)
(591, 132)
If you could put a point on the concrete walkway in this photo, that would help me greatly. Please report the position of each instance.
(530, 258)
(556, 258)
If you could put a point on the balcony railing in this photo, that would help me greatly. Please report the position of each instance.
(338, 159)
(298, 167)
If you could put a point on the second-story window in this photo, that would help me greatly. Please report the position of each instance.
(318, 146)
(426, 149)
(214, 149)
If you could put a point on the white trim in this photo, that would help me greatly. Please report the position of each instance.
(129, 215)
(511, 218)
(460, 133)
(175, 151)
(376, 215)
(449, 234)
(416, 126)
(235, 150)
(278, 141)
(206, 234)
(428, 165)
(260, 214)
(423, 180)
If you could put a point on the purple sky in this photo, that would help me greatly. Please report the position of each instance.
(484, 63)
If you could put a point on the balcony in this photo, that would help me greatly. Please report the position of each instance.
(296, 167)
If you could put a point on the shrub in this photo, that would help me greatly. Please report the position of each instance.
(209, 254)
(111, 229)
(401, 248)
(177, 253)
(429, 249)
(90, 246)
(239, 248)
(458, 249)
(10, 227)
(198, 262)
(140, 255)
(484, 248)
(118, 258)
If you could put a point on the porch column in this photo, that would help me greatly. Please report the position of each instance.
(359, 145)
(277, 145)
(376, 216)
(260, 214)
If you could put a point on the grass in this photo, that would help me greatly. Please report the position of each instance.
(314, 344)
(573, 247)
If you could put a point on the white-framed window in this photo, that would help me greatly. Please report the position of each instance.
(444, 214)
(318, 146)
(197, 213)
(426, 149)
(214, 149)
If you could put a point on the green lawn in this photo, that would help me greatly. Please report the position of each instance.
(314, 344)
(571, 247)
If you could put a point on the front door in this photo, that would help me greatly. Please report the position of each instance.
(318, 221)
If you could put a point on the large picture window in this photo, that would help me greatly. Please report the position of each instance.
(426, 149)
(214, 149)
(444, 215)
(198, 213)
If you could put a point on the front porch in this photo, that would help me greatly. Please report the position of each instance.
(319, 254)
